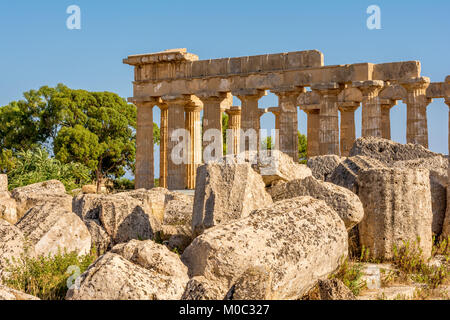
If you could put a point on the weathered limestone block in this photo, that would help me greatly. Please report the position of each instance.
(13, 245)
(178, 209)
(138, 270)
(322, 166)
(89, 189)
(177, 236)
(299, 240)
(279, 166)
(199, 288)
(344, 202)
(388, 151)
(153, 200)
(12, 294)
(254, 284)
(8, 207)
(100, 240)
(334, 289)
(122, 216)
(225, 192)
(52, 229)
(3, 182)
(40, 193)
(438, 167)
(346, 173)
(397, 207)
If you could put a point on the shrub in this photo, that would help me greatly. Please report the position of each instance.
(36, 165)
(350, 274)
(46, 277)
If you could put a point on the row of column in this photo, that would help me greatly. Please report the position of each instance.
(325, 134)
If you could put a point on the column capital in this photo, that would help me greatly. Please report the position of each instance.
(327, 88)
(248, 94)
(234, 110)
(225, 99)
(387, 103)
(348, 106)
(186, 100)
(313, 109)
(288, 91)
(262, 112)
(368, 87)
(275, 110)
(419, 84)
(145, 101)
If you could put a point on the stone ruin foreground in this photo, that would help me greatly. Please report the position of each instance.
(182, 86)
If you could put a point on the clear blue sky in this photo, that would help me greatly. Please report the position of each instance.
(37, 49)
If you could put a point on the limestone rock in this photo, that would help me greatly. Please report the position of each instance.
(177, 236)
(89, 189)
(388, 151)
(12, 294)
(151, 273)
(278, 166)
(438, 167)
(178, 209)
(50, 228)
(298, 240)
(334, 289)
(153, 200)
(225, 192)
(12, 245)
(99, 238)
(254, 284)
(397, 207)
(346, 173)
(323, 166)
(199, 288)
(3, 182)
(41, 193)
(344, 202)
(122, 216)
(8, 208)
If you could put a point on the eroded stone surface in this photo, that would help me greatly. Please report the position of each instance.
(254, 284)
(225, 192)
(299, 240)
(343, 201)
(323, 166)
(138, 270)
(52, 229)
(12, 294)
(397, 207)
(13, 246)
(8, 208)
(3, 182)
(100, 240)
(334, 289)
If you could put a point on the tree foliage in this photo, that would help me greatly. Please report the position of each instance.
(36, 165)
(95, 129)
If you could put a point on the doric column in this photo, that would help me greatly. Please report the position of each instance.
(249, 112)
(371, 108)
(288, 120)
(194, 149)
(234, 124)
(386, 106)
(214, 104)
(163, 145)
(313, 124)
(348, 135)
(176, 161)
(144, 175)
(329, 117)
(417, 102)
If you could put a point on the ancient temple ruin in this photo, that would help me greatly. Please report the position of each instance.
(181, 86)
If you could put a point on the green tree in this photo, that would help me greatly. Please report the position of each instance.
(302, 147)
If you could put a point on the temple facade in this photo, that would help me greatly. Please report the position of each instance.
(182, 86)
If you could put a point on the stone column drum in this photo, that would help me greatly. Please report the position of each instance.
(329, 117)
(163, 140)
(417, 102)
(234, 125)
(313, 124)
(348, 134)
(397, 208)
(194, 148)
(176, 172)
(371, 108)
(144, 146)
(250, 112)
(386, 106)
